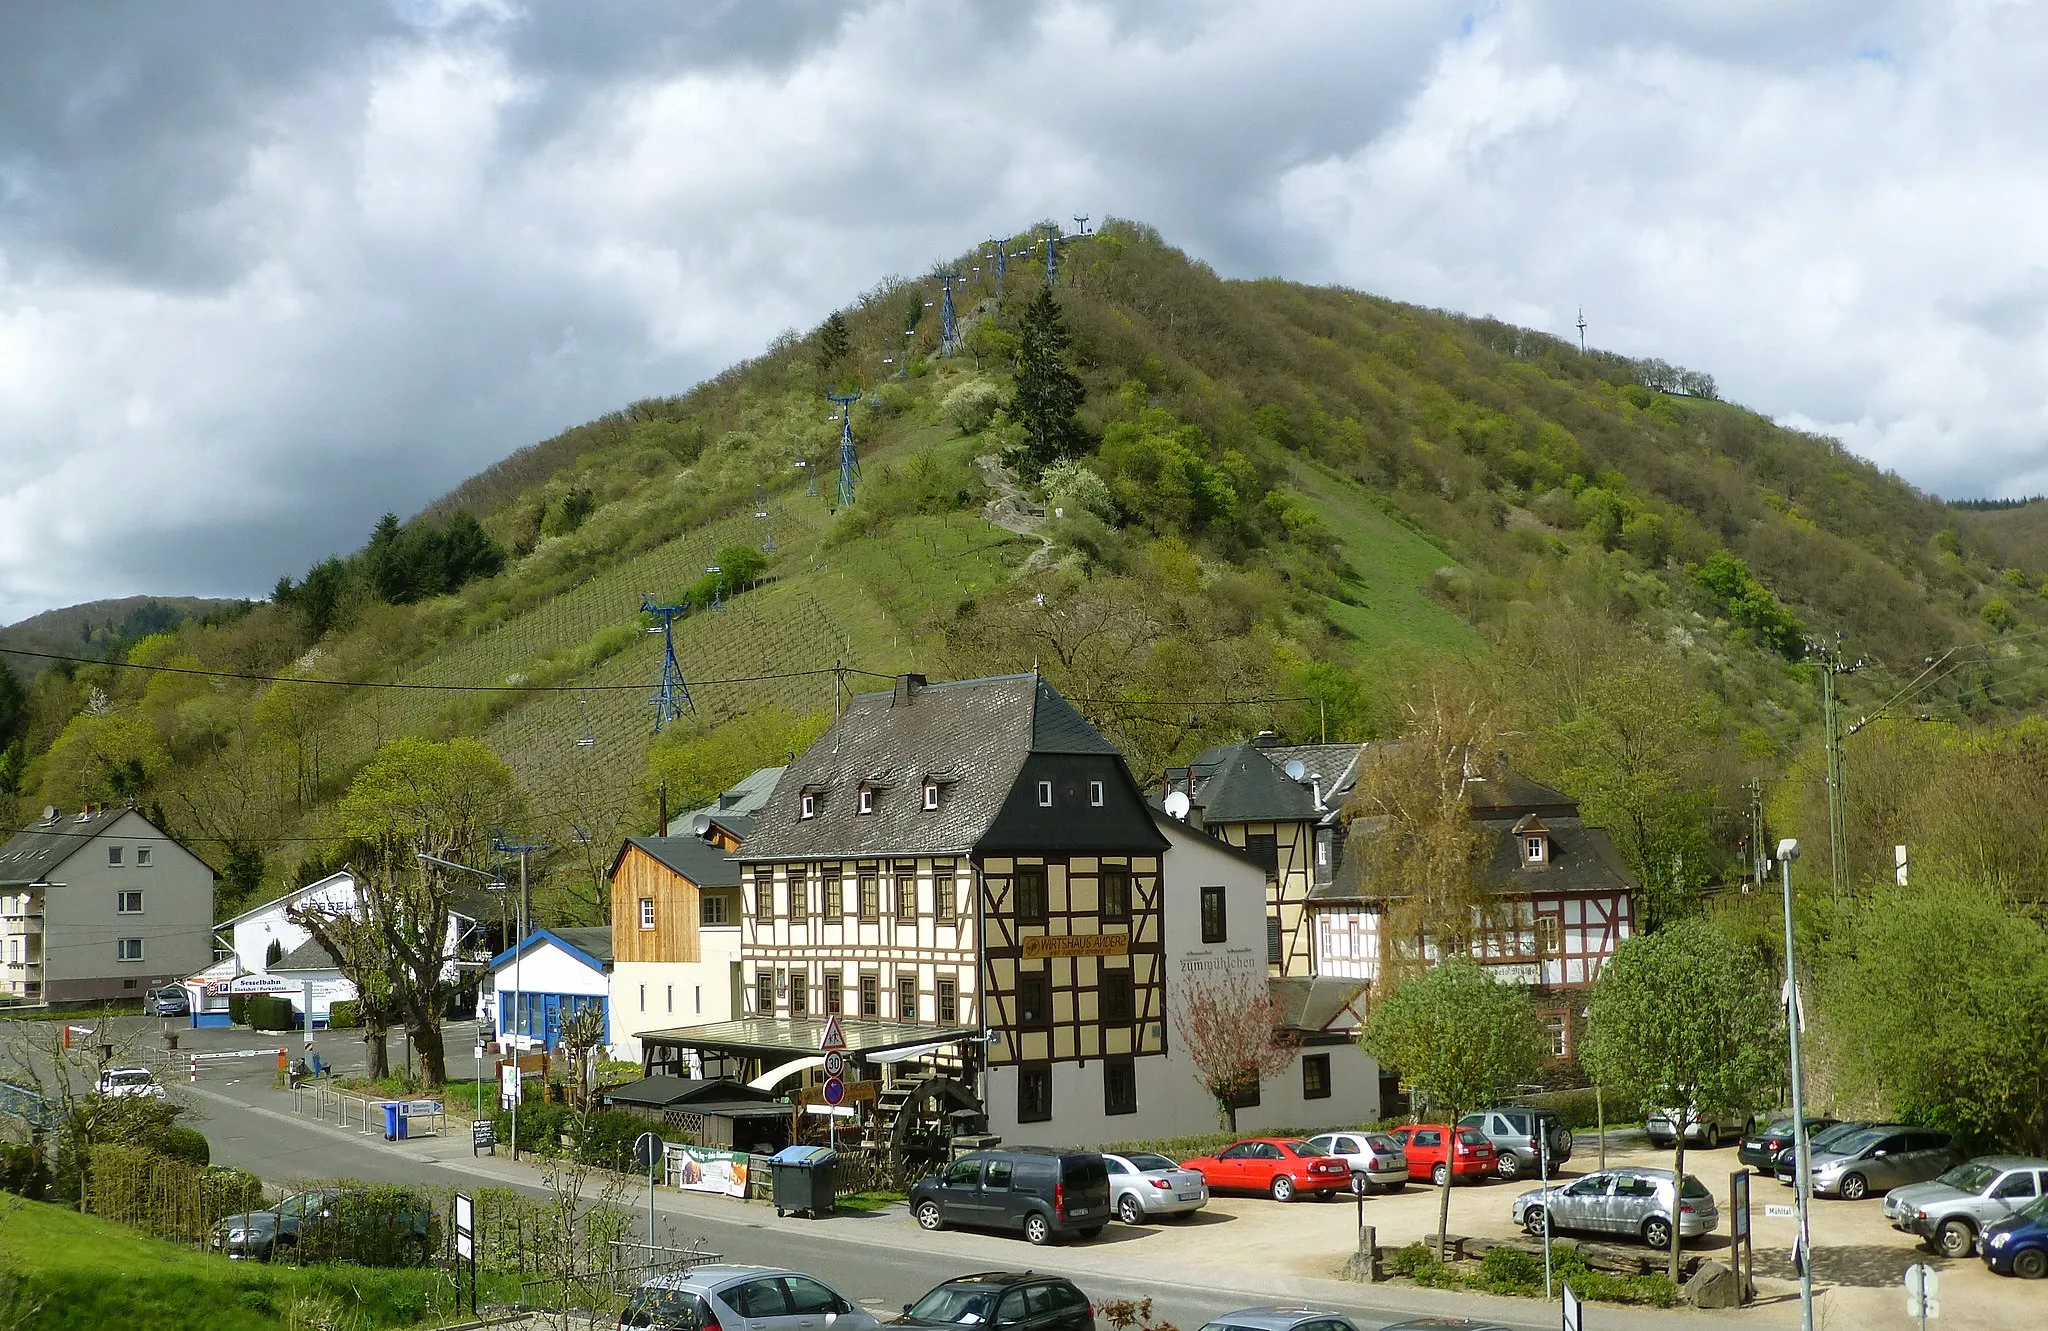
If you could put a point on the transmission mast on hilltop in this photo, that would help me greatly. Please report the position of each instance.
(1001, 256)
(849, 462)
(949, 327)
(1081, 225)
(672, 695)
(1582, 330)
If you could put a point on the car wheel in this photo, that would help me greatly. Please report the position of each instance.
(1955, 1238)
(1854, 1187)
(1508, 1165)
(1360, 1184)
(1129, 1211)
(2030, 1263)
(929, 1216)
(1657, 1232)
(1283, 1188)
(1532, 1222)
(1037, 1230)
(1713, 1136)
(1439, 1174)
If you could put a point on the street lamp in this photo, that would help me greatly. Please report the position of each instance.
(1802, 1166)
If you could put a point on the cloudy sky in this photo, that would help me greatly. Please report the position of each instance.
(269, 270)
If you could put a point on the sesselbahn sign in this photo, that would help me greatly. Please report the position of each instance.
(1076, 945)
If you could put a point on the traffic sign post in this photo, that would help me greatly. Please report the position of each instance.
(835, 1063)
(1923, 1282)
(832, 1040)
(1574, 1318)
(833, 1043)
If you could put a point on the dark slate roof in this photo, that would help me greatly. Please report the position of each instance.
(972, 734)
(1248, 783)
(664, 1092)
(1582, 859)
(1312, 1005)
(694, 858)
(1511, 793)
(30, 855)
(310, 955)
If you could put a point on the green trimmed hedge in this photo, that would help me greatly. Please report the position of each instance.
(346, 1015)
(269, 1012)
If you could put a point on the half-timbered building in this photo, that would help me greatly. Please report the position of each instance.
(1281, 803)
(1562, 900)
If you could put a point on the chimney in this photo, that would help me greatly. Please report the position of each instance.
(1266, 739)
(1315, 786)
(906, 686)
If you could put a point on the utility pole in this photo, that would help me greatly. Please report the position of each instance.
(1802, 1156)
(504, 847)
(1831, 665)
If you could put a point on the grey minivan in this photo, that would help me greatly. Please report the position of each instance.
(1045, 1193)
(1887, 1155)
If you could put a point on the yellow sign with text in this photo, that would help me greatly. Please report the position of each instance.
(1076, 945)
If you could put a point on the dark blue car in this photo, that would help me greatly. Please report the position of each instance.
(2018, 1246)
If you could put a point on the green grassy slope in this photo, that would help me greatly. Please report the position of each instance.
(1388, 568)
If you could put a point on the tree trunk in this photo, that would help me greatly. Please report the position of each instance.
(426, 1037)
(1443, 1203)
(1677, 1195)
(1229, 1116)
(376, 1059)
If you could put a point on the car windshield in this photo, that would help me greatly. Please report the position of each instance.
(1826, 1140)
(655, 1307)
(1694, 1188)
(1472, 1137)
(1304, 1148)
(1858, 1142)
(963, 1305)
(1974, 1176)
(1781, 1128)
(2035, 1211)
(131, 1077)
(1382, 1142)
(1147, 1160)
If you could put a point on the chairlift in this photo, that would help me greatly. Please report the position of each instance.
(580, 835)
(588, 739)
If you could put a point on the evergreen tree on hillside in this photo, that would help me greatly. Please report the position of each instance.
(834, 341)
(1048, 391)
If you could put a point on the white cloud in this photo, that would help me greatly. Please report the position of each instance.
(242, 315)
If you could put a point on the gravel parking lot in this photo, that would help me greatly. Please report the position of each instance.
(1859, 1266)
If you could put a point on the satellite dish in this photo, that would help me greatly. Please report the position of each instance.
(1296, 769)
(700, 825)
(1177, 805)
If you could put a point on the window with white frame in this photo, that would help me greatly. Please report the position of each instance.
(931, 795)
(143, 856)
(128, 903)
(807, 805)
(867, 799)
(647, 912)
(1533, 848)
(1045, 794)
(1095, 794)
(128, 949)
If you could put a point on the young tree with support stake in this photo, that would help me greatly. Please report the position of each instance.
(1685, 1018)
(1459, 1039)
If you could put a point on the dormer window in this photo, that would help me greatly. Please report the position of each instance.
(1533, 839)
(931, 795)
(1534, 849)
(807, 805)
(867, 799)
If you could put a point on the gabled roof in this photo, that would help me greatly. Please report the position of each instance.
(32, 853)
(664, 1092)
(590, 945)
(1248, 783)
(695, 859)
(1581, 859)
(1511, 793)
(310, 955)
(977, 731)
(739, 802)
(1321, 1003)
(466, 901)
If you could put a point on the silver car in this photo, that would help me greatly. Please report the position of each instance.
(759, 1298)
(1706, 1129)
(1951, 1211)
(1888, 1155)
(1144, 1185)
(1282, 1318)
(1621, 1201)
(1377, 1160)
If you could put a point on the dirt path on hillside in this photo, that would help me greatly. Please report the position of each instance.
(1012, 509)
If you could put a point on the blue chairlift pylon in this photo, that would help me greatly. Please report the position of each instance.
(717, 586)
(949, 327)
(672, 695)
(849, 462)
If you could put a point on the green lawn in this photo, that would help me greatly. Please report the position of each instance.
(1390, 564)
(89, 1274)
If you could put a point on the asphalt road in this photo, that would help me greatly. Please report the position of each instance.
(882, 1260)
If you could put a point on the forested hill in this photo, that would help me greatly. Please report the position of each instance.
(1264, 504)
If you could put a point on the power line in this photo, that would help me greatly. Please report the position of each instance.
(254, 677)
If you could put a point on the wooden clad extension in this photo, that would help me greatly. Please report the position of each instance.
(677, 909)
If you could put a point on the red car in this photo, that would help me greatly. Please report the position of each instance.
(1471, 1154)
(1281, 1166)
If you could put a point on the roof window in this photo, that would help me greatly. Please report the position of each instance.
(931, 795)
(807, 805)
(867, 799)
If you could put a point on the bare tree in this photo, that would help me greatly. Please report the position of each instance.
(356, 943)
(1236, 1035)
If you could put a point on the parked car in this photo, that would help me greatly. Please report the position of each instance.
(1709, 1130)
(1621, 1201)
(1437, 1151)
(1280, 1166)
(259, 1235)
(1376, 1160)
(1951, 1211)
(120, 1083)
(1025, 1300)
(2019, 1246)
(1824, 1140)
(170, 1001)
(736, 1296)
(1144, 1185)
(1886, 1156)
(1760, 1149)
(1281, 1319)
(1043, 1193)
(1515, 1132)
